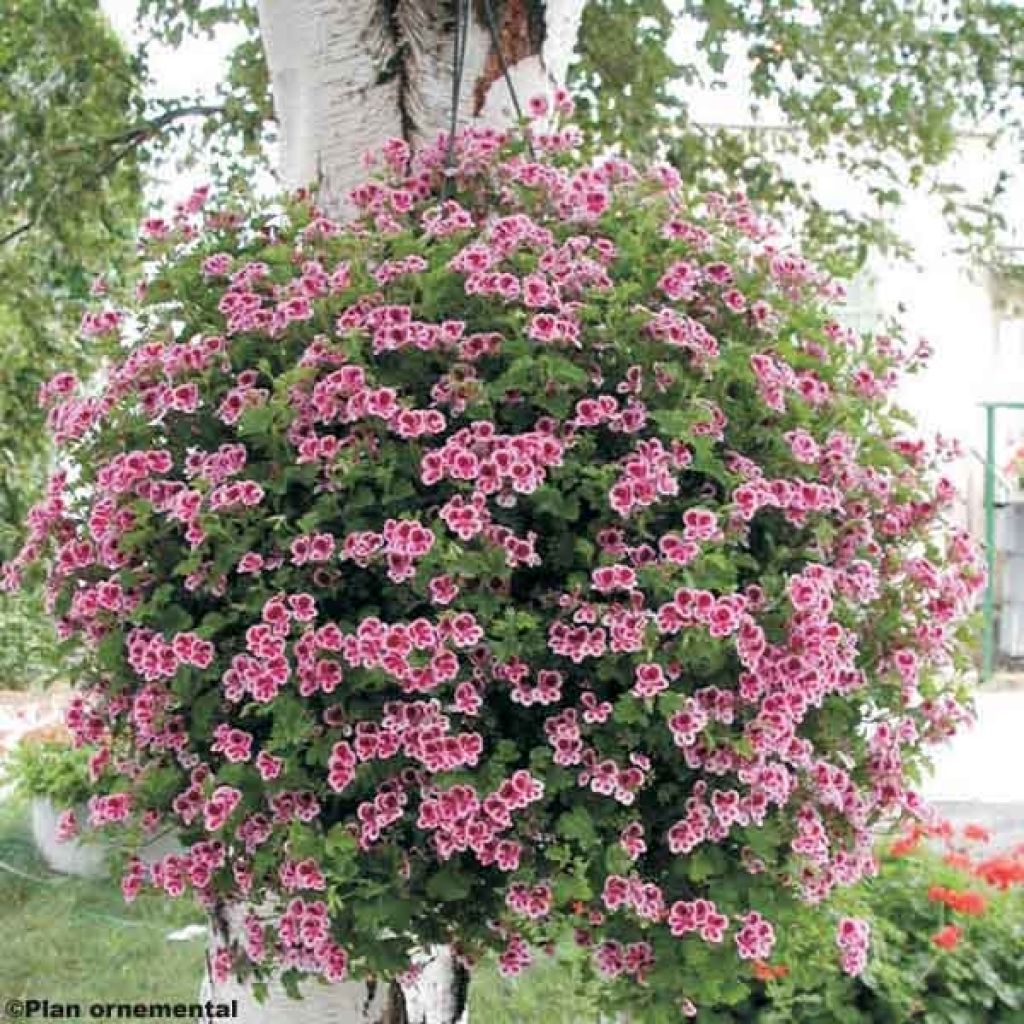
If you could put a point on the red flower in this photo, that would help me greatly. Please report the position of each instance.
(1002, 871)
(960, 861)
(940, 830)
(769, 972)
(906, 844)
(969, 902)
(977, 833)
(948, 937)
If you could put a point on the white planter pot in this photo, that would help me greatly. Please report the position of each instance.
(71, 857)
(88, 858)
(159, 848)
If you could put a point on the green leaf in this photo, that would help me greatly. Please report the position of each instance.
(449, 885)
(202, 710)
(579, 825)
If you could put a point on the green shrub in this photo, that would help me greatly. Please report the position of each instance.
(947, 948)
(921, 902)
(29, 654)
(52, 770)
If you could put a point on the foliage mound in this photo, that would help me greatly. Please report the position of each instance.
(544, 551)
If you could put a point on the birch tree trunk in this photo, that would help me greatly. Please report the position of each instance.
(347, 75)
(438, 997)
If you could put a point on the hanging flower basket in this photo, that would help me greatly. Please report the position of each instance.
(542, 556)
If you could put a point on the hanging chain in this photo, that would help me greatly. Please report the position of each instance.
(458, 67)
(458, 70)
(492, 25)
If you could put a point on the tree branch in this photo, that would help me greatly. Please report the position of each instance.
(147, 129)
(132, 139)
(19, 230)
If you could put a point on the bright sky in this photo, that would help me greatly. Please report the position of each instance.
(198, 65)
(194, 69)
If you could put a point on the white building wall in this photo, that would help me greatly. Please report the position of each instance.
(938, 296)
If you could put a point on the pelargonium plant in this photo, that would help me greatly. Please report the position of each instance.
(537, 552)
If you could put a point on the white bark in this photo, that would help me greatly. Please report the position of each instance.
(433, 999)
(347, 75)
(347, 1003)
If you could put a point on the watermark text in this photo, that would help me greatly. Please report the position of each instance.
(49, 1009)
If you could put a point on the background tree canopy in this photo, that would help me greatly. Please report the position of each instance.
(77, 134)
(67, 202)
(70, 194)
(880, 86)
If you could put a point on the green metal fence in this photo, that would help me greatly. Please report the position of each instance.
(988, 654)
